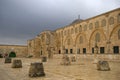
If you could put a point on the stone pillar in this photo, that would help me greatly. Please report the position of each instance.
(17, 63)
(65, 60)
(36, 70)
(7, 60)
(103, 66)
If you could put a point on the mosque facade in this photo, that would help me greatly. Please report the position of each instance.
(80, 37)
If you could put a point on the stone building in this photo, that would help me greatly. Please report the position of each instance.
(80, 37)
(20, 50)
(42, 45)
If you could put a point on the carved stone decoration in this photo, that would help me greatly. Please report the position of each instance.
(17, 63)
(103, 66)
(36, 70)
(65, 60)
(7, 60)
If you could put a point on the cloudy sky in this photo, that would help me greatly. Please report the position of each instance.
(21, 20)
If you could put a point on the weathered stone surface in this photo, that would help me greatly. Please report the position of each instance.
(103, 66)
(44, 59)
(65, 60)
(17, 64)
(7, 60)
(36, 70)
(73, 58)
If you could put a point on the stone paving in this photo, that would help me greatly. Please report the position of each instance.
(82, 69)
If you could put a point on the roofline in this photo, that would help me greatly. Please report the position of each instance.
(89, 18)
(103, 14)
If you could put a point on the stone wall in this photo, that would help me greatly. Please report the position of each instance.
(21, 51)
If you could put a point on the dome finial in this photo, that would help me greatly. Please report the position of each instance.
(79, 16)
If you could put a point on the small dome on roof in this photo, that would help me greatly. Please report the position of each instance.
(76, 21)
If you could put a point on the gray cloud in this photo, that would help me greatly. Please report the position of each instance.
(21, 20)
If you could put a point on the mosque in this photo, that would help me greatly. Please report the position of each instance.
(78, 37)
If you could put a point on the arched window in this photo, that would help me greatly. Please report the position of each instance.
(103, 22)
(119, 34)
(76, 30)
(90, 26)
(80, 28)
(68, 42)
(97, 37)
(111, 20)
(85, 27)
(118, 18)
(96, 24)
(81, 40)
(68, 31)
(64, 32)
(72, 31)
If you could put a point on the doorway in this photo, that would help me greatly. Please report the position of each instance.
(66, 51)
(71, 51)
(102, 50)
(116, 49)
(92, 50)
(84, 50)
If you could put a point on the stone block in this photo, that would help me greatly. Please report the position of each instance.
(7, 60)
(65, 60)
(17, 63)
(103, 66)
(36, 70)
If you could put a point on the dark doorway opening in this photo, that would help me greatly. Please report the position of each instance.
(71, 51)
(59, 51)
(66, 51)
(116, 49)
(102, 50)
(93, 50)
(84, 50)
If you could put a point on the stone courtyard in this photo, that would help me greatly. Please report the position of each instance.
(82, 69)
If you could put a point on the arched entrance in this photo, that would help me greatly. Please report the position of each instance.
(97, 37)
(69, 45)
(12, 54)
(115, 40)
(81, 43)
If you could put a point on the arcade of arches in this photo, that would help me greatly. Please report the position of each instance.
(80, 36)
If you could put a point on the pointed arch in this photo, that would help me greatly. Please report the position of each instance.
(97, 33)
(82, 36)
(97, 37)
(81, 39)
(68, 40)
(114, 29)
